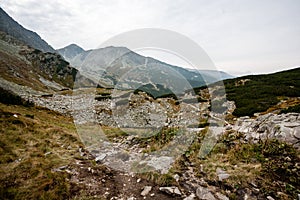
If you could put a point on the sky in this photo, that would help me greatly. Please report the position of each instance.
(240, 36)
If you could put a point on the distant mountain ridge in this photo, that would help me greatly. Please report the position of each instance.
(70, 51)
(30, 38)
(112, 64)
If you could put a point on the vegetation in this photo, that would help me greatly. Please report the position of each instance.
(295, 109)
(34, 141)
(272, 165)
(256, 93)
(157, 91)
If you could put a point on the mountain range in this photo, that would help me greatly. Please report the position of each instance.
(113, 66)
(119, 65)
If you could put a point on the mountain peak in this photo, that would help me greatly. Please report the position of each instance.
(73, 46)
(70, 51)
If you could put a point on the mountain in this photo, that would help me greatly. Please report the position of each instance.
(214, 73)
(27, 66)
(122, 67)
(30, 38)
(70, 51)
(23, 65)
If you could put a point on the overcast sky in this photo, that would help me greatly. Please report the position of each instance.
(240, 36)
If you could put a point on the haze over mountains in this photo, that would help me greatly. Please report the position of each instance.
(111, 63)
(108, 64)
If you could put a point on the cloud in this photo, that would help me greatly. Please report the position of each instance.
(261, 35)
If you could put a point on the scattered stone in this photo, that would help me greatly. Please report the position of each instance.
(270, 198)
(221, 196)
(176, 177)
(146, 190)
(100, 158)
(47, 153)
(63, 167)
(170, 190)
(191, 197)
(204, 194)
(131, 198)
(222, 174)
(139, 180)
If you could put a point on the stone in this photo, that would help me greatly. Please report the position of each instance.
(204, 194)
(146, 190)
(221, 196)
(222, 174)
(176, 177)
(191, 197)
(100, 158)
(270, 198)
(171, 190)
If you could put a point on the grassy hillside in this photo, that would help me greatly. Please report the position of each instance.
(34, 141)
(257, 93)
(30, 67)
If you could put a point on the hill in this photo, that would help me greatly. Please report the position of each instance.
(30, 67)
(30, 38)
(257, 93)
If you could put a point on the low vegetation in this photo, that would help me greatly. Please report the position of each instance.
(34, 141)
(253, 94)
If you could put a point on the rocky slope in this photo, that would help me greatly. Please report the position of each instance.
(13, 28)
(30, 67)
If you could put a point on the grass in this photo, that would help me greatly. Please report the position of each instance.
(272, 165)
(32, 145)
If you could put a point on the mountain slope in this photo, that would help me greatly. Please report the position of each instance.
(13, 28)
(119, 65)
(30, 67)
(257, 93)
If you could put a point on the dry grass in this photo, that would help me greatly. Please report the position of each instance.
(32, 145)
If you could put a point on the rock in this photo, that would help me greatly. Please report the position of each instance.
(222, 174)
(204, 194)
(191, 197)
(63, 167)
(270, 198)
(131, 198)
(100, 158)
(146, 190)
(139, 180)
(171, 190)
(176, 177)
(47, 153)
(221, 196)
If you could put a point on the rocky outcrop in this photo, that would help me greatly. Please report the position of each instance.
(284, 127)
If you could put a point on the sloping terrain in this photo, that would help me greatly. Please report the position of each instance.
(13, 28)
(26, 66)
(112, 65)
(259, 93)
